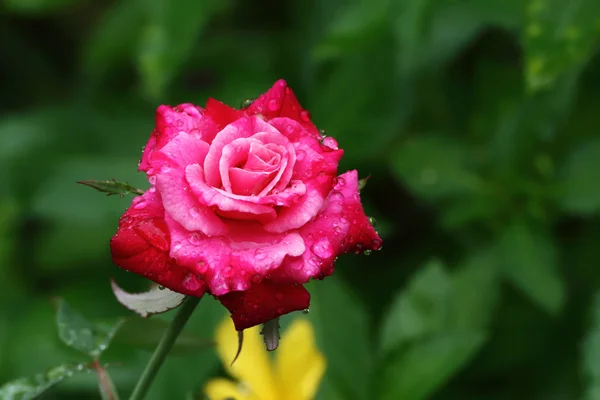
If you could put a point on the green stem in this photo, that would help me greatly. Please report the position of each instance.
(163, 348)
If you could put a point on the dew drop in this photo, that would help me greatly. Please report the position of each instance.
(260, 254)
(191, 282)
(323, 133)
(372, 221)
(289, 128)
(256, 278)
(367, 252)
(305, 115)
(161, 287)
(246, 103)
(331, 143)
(139, 203)
(336, 197)
(300, 154)
(152, 189)
(280, 310)
(306, 311)
(273, 106)
(165, 169)
(279, 296)
(341, 181)
(195, 239)
(177, 247)
(323, 248)
(152, 180)
(194, 212)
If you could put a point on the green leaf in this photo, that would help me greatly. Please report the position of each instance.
(527, 258)
(169, 38)
(435, 168)
(341, 327)
(113, 187)
(418, 371)
(114, 39)
(419, 310)
(475, 292)
(590, 352)
(79, 333)
(579, 188)
(430, 32)
(37, 7)
(31, 388)
(560, 36)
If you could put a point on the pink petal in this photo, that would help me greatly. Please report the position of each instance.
(297, 215)
(241, 128)
(245, 256)
(169, 122)
(291, 195)
(227, 206)
(181, 204)
(247, 183)
(280, 101)
(182, 150)
(341, 227)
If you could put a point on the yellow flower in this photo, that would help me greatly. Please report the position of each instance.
(293, 374)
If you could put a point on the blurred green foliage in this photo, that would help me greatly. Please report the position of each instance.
(476, 119)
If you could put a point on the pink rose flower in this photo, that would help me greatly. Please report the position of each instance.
(245, 205)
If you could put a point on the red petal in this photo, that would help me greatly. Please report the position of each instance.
(141, 246)
(280, 101)
(216, 116)
(263, 302)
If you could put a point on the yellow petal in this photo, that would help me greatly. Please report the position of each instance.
(300, 365)
(222, 389)
(253, 366)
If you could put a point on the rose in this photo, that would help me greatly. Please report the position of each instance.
(244, 204)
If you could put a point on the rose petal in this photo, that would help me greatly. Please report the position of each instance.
(236, 153)
(247, 183)
(141, 245)
(341, 227)
(183, 206)
(227, 206)
(245, 256)
(183, 149)
(263, 302)
(169, 122)
(218, 116)
(241, 128)
(280, 101)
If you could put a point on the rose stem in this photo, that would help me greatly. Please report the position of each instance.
(164, 346)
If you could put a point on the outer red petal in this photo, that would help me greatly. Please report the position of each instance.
(280, 101)
(263, 302)
(141, 245)
(216, 117)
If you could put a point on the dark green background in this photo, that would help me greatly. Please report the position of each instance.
(477, 120)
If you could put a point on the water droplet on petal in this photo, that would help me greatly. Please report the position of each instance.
(367, 252)
(191, 282)
(161, 287)
(195, 239)
(341, 181)
(331, 143)
(260, 254)
(273, 106)
(152, 180)
(279, 296)
(194, 212)
(336, 197)
(165, 169)
(256, 278)
(289, 128)
(305, 115)
(323, 133)
(139, 203)
(372, 221)
(323, 248)
(306, 311)
(177, 247)
(300, 154)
